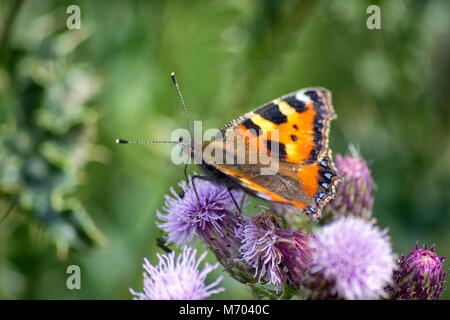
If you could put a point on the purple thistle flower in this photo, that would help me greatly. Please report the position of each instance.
(178, 279)
(269, 249)
(352, 259)
(420, 276)
(182, 221)
(354, 194)
(297, 251)
(258, 247)
(215, 223)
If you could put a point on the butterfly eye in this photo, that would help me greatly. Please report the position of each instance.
(180, 139)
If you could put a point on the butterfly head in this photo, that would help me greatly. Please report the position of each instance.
(191, 147)
(187, 146)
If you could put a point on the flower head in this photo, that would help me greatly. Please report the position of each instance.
(214, 223)
(354, 194)
(183, 221)
(269, 248)
(420, 276)
(352, 260)
(178, 279)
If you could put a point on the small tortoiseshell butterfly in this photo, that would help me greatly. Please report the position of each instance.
(306, 176)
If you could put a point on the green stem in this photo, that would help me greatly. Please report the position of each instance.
(288, 292)
(259, 291)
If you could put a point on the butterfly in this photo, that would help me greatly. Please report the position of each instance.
(292, 132)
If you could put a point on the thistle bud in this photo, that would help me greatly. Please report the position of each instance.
(420, 276)
(354, 194)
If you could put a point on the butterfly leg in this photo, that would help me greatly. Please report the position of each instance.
(234, 200)
(198, 199)
(244, 197)
(193, 185)
(195, 190)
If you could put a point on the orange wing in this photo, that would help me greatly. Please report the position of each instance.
(293, 130)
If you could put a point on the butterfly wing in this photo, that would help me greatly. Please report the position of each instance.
(293, 130)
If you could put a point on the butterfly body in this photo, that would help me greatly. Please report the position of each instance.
(277, 152)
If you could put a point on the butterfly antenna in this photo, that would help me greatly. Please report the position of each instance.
(174, 79)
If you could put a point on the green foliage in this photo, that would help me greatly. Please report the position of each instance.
(46, 139)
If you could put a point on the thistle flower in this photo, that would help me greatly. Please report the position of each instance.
(420, 276)
(182, 221)
(354, 195)
(352, 259)
(215, 223)
(178, 279)
(269, 249)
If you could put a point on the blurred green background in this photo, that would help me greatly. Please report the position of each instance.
(70, 195)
